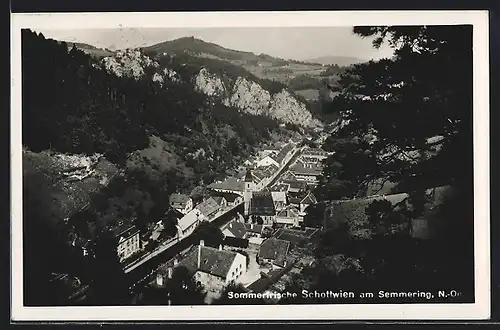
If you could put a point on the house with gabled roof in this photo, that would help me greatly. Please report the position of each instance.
(280, 187)
(274, 251)
(232, 199)
(127, 239)
(188, 223)
(288, 217)
(262, 206)
(296, 187)
(181, 202)
(288, 176)
(281, 157)
(309, 199)
(272, 150)
(314, 155)
(214, 268)
(221, 201)
(231, 185)
(279, 199)
(307, 172)
(353, 212)
(209, 207)
(267, 160)
(235, 228)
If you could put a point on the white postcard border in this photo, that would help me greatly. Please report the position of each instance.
(479, 310)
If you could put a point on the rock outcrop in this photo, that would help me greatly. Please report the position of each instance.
(132, 63)
(209, 84)
(250, 97)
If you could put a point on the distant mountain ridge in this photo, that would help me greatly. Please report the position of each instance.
(90, 49)
(338, 60)
(197, 46)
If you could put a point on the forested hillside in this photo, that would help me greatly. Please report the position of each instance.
(156, 136)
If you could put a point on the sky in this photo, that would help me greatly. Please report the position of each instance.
(296, 43)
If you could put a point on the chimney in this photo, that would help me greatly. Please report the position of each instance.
(199, 254)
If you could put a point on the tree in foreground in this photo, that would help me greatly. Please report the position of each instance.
(401, 109)
(183, 290)
(110, 285)
(408, 121)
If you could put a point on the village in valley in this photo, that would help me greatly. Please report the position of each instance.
(271, 195)
(261, 228)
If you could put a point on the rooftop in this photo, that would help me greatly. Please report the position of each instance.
(288, 176)
(174, 214)
(179, 199)
(230, 197)
(236, 228)
(218, 199)
(231, 184)
(309, 199)
(278, 196)
(208, 207)
(262, 204)
(280, 187)
(212, 261)
(297, 184)
(314, 152)
(189, 219)
(274, 249)
(252, 228)
(283, 152)
(353, 211)
(306, 169)
(124, 230)
(289, 212)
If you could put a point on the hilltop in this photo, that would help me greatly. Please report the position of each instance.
(199, 47)
(90, 49)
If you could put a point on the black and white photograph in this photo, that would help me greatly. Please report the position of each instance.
(216, 166)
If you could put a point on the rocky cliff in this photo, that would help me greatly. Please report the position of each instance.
(251, 97)
(242, 93)
(132, 63)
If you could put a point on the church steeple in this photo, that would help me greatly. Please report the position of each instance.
(247, 194)
(249, 176)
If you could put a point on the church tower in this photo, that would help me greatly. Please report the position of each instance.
(247, 194)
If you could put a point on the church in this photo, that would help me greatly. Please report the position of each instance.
(259, 206)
